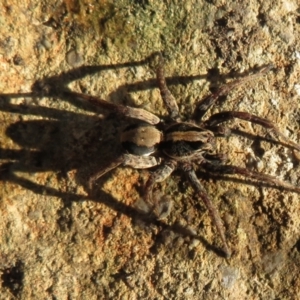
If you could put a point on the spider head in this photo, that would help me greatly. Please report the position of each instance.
(141, 139)
(187, 140)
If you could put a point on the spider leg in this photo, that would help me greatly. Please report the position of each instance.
(219, 130)
(127, 111)
(216, 159)
(108, 167)
(203, 106)
(134, 161)
(165, 93)
(162, 173)
(224, 116)
(140, 162)
(213, 212)
(272, 180)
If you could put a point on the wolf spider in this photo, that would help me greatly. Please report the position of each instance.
(174, 144)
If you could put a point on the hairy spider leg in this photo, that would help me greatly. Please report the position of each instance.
(213, 212)
(228, 169)
(159, 175)
(130, 160)
(225, 116)
(165, 93)
(203, 105)
(127, 111)
(110, 166)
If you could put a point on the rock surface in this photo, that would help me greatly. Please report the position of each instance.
(56, 242)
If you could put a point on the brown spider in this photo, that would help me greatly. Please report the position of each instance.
(174, 144)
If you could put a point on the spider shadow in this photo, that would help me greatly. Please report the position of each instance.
(53, 143)
(68, 140)
(58, 145)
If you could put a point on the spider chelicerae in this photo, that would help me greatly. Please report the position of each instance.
(173, 144)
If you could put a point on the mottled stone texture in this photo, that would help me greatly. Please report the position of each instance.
(56, 242)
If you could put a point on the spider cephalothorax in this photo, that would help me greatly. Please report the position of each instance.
(174, 144)
(186, 141)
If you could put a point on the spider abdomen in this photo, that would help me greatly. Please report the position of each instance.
(141, 139)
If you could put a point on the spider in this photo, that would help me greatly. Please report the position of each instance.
(173, 144)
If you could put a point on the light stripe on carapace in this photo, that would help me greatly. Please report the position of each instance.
(183, 140)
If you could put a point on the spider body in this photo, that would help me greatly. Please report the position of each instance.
(174, 144)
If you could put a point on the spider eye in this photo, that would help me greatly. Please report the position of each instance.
(141, 139)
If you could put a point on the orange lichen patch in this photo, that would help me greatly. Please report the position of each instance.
(121, 186)
(126, 243)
